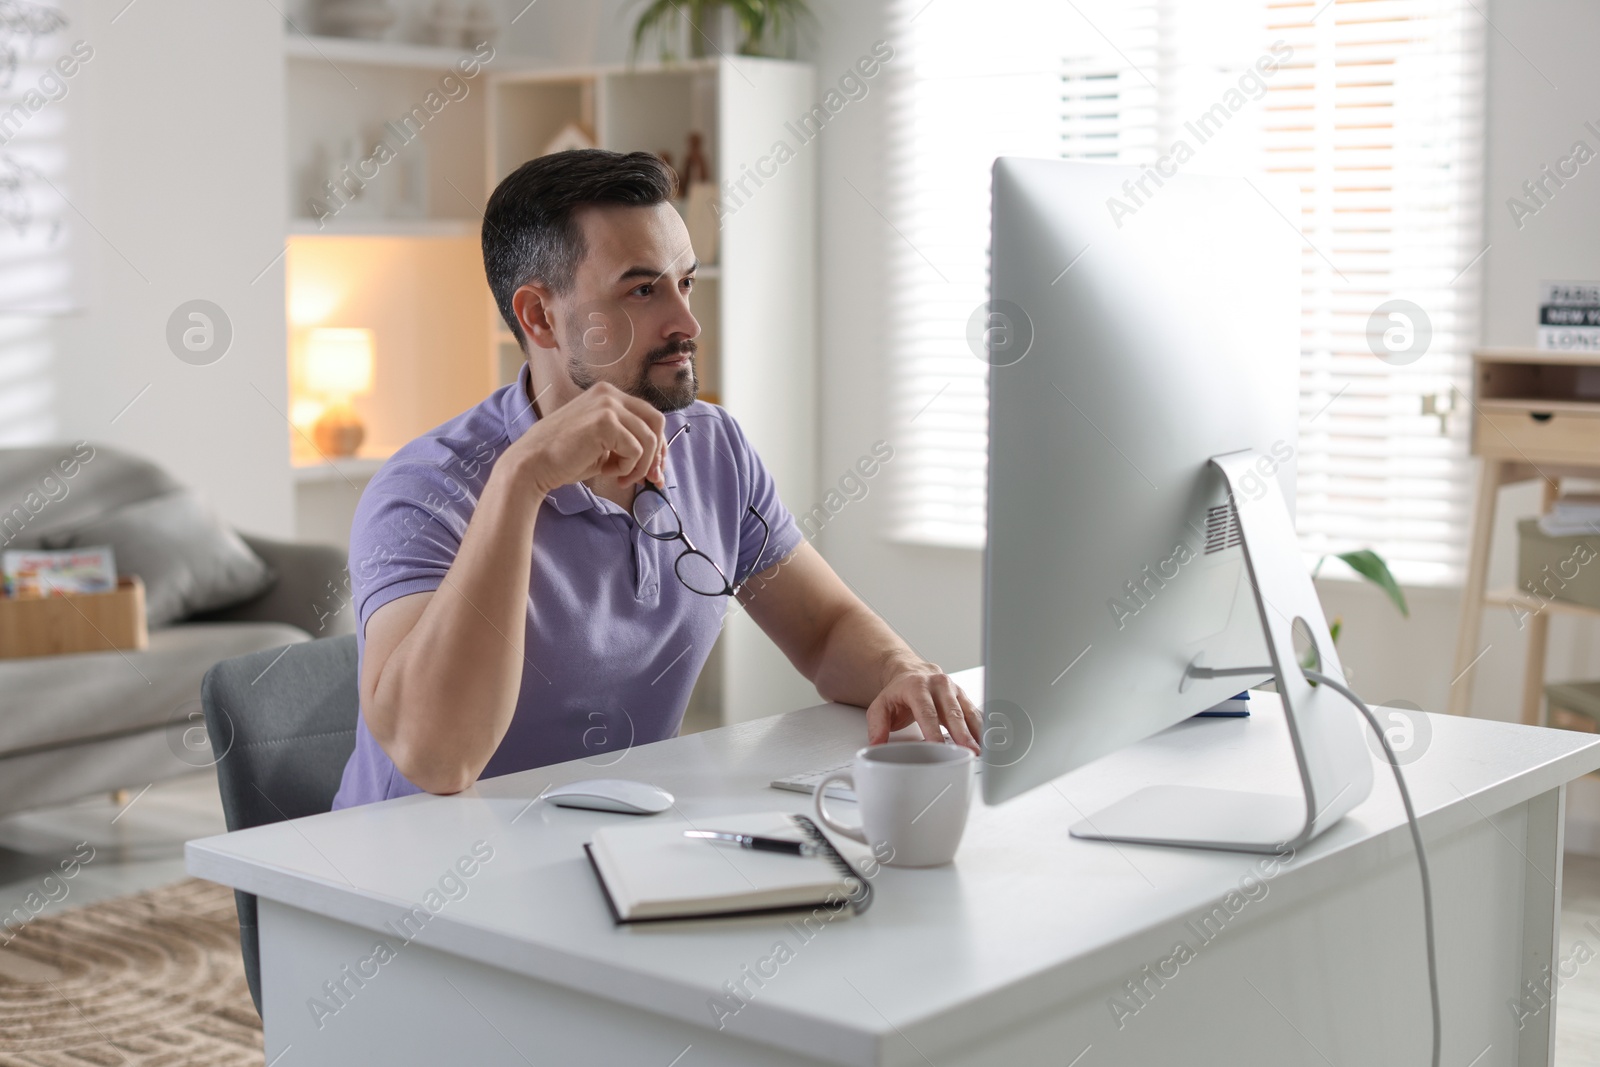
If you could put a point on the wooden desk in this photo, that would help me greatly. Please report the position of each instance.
(1015, 954)
(1534, 415)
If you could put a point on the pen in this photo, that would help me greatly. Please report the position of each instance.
(763, 844)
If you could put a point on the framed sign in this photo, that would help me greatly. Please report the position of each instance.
(1569, 316)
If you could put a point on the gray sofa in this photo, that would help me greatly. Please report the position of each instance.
(75, 725)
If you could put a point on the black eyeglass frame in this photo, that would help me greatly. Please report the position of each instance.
(690, 549)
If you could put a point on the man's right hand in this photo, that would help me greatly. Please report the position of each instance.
(602, 433)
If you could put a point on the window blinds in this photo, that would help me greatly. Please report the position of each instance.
(1376, 113)
(1380, 121)
(967, 86)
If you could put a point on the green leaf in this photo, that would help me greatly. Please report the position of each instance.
(763, 24)
(1308, 658)
(1371, 566)
(653, 20)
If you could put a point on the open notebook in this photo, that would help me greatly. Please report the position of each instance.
(650, 871)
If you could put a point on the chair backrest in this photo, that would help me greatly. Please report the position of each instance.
(282, 725)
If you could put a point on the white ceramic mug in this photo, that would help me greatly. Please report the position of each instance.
(913, 797)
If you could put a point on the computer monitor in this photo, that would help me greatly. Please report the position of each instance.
(1143, 335)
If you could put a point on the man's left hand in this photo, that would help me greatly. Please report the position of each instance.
(929, 698)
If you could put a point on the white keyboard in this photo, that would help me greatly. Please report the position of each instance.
(807, 781)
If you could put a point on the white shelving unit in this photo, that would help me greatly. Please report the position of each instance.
(418, 281)
(369, 53)
(411, 272)
(335, 227)
(344, 470)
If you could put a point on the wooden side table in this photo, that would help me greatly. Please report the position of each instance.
(1535, 415)
(1574, 705)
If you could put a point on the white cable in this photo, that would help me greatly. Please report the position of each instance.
(1405, 799)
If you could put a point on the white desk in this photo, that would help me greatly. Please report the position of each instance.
(1009, 956)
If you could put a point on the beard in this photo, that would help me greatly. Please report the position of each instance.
(677, 394)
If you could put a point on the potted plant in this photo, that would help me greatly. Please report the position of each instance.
(764, 27)
(1370, 566)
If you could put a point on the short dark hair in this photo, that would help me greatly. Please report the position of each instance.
(528, 230)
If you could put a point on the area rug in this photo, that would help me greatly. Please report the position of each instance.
(153, 978)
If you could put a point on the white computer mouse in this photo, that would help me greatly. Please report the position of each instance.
(610, 794)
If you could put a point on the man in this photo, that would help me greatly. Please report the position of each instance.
(522, 594)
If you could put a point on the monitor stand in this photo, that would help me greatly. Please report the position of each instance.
(1334, 764)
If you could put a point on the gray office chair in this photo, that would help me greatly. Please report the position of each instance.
(282, 730)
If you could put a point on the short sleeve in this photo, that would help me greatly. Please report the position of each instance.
(761, 494)
(405, 535)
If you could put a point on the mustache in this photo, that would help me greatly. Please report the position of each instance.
(672, 349)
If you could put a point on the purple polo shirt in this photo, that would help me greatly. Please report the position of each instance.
(614, 641)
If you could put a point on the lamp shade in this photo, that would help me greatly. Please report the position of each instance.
(339, 362)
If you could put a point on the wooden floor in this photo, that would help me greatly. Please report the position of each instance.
(141, 845)
(1578, 1013)
(137, 846)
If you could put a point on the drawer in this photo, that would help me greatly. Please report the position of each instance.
(1560, 432)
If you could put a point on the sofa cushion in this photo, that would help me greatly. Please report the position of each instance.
(188, 557)
(48, 489)
(50, 701)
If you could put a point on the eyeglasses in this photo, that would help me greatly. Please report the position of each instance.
(659, 519)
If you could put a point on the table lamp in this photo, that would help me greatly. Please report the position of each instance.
(338, 365)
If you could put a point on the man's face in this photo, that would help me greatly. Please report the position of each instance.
(626, 319)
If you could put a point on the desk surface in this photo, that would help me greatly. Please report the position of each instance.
(1024, 912)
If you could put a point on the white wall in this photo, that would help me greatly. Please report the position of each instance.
(568, 34)
(180, 121)
(932, 596)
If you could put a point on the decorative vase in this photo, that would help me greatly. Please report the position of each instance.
(338, 433)
(713, 31)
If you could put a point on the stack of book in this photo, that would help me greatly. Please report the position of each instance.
(1237, 707)
(29, 574)
(1572, 515)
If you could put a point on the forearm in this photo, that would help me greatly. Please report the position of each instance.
(852, 656)
(448, 691)
(859, 655)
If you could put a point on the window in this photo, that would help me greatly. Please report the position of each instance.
(40, 272)
(1375, 109)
